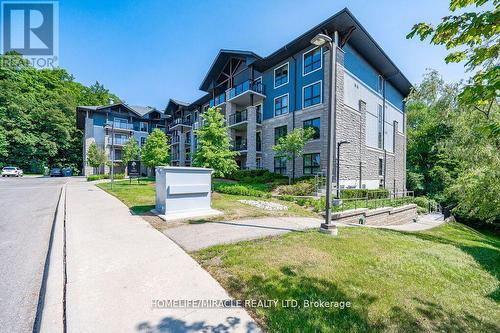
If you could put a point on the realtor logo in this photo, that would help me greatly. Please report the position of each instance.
(31, 29)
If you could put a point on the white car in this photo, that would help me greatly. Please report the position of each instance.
(12, 171)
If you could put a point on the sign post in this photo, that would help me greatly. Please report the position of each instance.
(134, 170)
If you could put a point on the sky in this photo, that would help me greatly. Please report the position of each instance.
(147, 51)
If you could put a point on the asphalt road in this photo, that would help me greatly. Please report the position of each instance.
(27, 207)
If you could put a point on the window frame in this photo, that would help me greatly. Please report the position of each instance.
(287, 75)
(320, 94)
(319, 126)
(304, 167)
(287, 105)
(304, 60)
(281, 168)
(276, 139)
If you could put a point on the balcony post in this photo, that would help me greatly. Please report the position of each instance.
(251, 138)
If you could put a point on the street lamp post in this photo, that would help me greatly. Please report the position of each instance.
(320, 40)
(112, 153)
(338, 167)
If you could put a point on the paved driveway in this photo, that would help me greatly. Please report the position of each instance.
(27, 208)
(193, 237)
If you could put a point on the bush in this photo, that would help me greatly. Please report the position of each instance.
(255, 176)
(363, 193)
(302, 188)
(105, 176)
(240, 189)
(423, 202)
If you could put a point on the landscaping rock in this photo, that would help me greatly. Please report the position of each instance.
(264, 205)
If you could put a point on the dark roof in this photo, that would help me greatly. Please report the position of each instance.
(140, 111)
(221, 60)
(173, 105)
(360, 40)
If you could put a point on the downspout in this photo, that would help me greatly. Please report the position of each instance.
(383, 131)
(294, 105)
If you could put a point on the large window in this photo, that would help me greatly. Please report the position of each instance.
(143, 126)
(281, 76)
(280, 165)
(380, 127)
(380, 167)
(311, 164)
(315, 125)
(281, 105)
(143, 141)
(312, 94)
(279, 132)
(312, 60)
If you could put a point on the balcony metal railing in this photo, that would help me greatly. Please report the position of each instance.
(240, 145)
(120, 125)
(117, 141)
(256, 86)
(180, 121)
(218, 100)
(242, 116)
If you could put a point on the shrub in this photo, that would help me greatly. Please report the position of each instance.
(105, 176)
(255, 176)
(240, 189)
(363, 193)
(302, 188)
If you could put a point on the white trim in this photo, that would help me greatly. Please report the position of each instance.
(288, 106)
(259, 77)
(303, 60)
(320, 94)
(377, 150)
(287, 74)
(372, 90)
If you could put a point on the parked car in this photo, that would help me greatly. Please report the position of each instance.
(56, 172)
(67, 172)
(12, 172)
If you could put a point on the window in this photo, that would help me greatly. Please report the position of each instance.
(143, 141)
(143, 126)
(314, 124)
(281, 105)
(258, 141)
(380, 127)
(380, 84)
(380, 167)
(312, 60)
(311, 164)
(120, 139)
(279, 132)
(118, 155)
(312, 94)
(281, 76)
(280, 165)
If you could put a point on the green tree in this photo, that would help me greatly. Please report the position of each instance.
(214, 145)
(96, 157)
(131, 151)
(156, 149)
(291, 146)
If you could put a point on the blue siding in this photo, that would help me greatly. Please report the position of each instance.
(295, 95)
(99, 119)
(358, 66)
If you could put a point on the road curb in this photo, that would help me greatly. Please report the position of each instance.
(50, 312)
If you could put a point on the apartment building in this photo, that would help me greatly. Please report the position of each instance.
(263, 98)
(111, 126)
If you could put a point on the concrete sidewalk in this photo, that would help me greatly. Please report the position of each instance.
(118, 265)
(193, 237)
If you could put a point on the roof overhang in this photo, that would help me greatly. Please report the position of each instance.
(221, 60)
(348, 27)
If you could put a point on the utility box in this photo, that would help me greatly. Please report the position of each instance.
(183, 192)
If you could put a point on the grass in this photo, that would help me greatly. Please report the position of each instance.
(140, 198)
(445, 279)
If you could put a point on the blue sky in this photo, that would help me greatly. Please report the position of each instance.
(149, 51)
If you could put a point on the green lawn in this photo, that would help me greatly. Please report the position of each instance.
(442, 280)
(140, 198)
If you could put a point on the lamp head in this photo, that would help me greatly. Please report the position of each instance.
(321, 39)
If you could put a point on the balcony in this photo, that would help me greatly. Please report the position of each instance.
(175, 139)
(218, 100)
(240, 145)
(240, 94)
(119, 126)
(179, 122)
(241, 117)
(117, 141)
(187, 140)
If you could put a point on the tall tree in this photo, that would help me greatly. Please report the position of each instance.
(155, 151)
(96, 157)
(291, 146)
(131, 151)
(214, 145)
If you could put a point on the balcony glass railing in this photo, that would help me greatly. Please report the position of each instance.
(118, 141)
(121, 125)
(240, 145)
(256, 86)
(180, 121)
(218, 100)
(238, 117)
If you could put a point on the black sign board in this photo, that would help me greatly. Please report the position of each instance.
(134, 169)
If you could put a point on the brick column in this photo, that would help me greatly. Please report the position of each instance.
(251, 138)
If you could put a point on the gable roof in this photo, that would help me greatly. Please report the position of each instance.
(349, 29)
(140, 111)
(220, 61)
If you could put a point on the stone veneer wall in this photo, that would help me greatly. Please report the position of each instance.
(380, 216)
